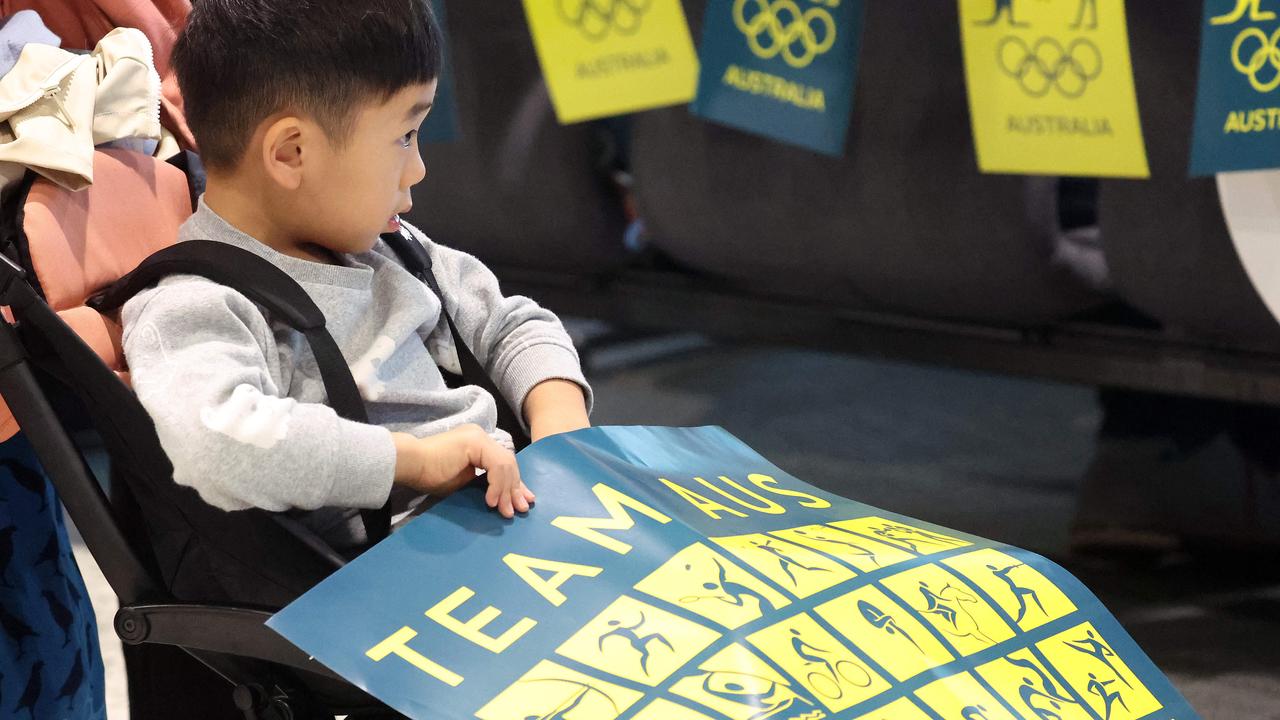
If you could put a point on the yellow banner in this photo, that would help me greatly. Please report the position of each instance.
(1051, 87)
(611, 57)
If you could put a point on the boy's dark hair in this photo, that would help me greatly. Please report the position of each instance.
(239, 61)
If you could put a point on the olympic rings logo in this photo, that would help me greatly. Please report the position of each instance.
(596, 18)
(1265, 51)
(1046, 65)
(781, 28)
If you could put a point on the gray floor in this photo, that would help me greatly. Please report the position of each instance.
(993, 456)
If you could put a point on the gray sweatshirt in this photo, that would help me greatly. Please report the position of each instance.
(239, 405)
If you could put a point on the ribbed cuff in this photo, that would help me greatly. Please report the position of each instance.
(539, 363)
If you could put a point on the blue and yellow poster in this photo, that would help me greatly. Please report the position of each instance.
(784, 69)
(675, 574)
(1237, 125)
(612, 57)
(1051, 88)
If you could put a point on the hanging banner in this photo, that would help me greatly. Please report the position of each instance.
(612, 57)
(784, 69)
(1251, 207)
(1237, 125)
(442, 124)
(1051, 88)
(674, 574)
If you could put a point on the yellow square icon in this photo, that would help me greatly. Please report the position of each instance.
(1025, 594)
(738, 685)
(554, 691)
(1026, 684)
(796, 569)
(962, 697)
(637, 641)
(862, 553)
(831, 672)
(883, 629)
(1097, 672)
(963, 618)
(709, 584)
(913, 539)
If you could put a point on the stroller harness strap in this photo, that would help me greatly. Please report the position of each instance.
(269, 286)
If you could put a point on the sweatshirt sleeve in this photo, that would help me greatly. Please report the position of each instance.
(519, 342)
(199, 358)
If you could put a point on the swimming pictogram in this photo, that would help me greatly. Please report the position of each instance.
(1046, 65)
(595, 19)
(1256, 55)
(1020, 594)
(830, 675)
(974, 712)
(726, 590)
(577, 693)
(639, 643)
(780, 28)
(882, 620)
(1045, 692)
(948, 604)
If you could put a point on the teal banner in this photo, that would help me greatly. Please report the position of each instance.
(1237, 122)
(675, 574)
(442, 124)
(784, 69)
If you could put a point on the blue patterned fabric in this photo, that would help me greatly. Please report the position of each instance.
(50, 665)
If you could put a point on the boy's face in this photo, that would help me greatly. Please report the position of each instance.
(355, 192)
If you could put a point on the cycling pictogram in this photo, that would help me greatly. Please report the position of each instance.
(781, 28)
(1046, 65)
(595, 19)
(1257, 55)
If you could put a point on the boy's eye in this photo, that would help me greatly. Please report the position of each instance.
(407, 139)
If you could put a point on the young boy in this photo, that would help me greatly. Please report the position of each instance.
(306, 115)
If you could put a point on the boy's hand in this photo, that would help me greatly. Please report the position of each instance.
(440, 464)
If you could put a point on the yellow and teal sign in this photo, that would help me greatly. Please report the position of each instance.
(784, 69)
(1237, 125)
(675, 574)
(612, 57)
(1051, 87)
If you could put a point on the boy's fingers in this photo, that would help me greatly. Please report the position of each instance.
(519, 501)
(504, 506)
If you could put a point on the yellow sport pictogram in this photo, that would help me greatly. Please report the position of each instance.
(1021, 591)
(1257, 56)
(900, 709)
(886, 631)
(1088, 662)
(709, 584)
(862, 553)
(739, 685)
(965, 620)
(776, 28)
(798, 570)
(901, 535)
(832, 673)
(596, 19)
(554, 692)
(962, 697)
(1033, 691)
(637, 641)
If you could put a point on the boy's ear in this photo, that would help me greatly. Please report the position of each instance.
(284, 145)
